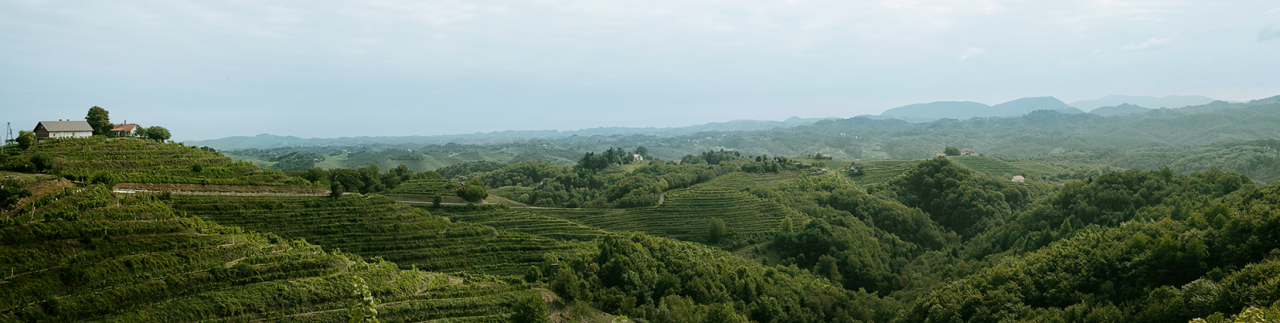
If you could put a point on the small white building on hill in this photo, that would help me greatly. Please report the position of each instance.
(62, 129)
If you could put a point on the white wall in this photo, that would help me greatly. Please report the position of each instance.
(71, 134)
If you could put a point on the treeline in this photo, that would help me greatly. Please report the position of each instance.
(663, 280)
(1259, 159)
(1124, 247)
(596, 181)
(363, 180)
(957, 246)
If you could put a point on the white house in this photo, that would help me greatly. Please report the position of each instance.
(62, 129)
(1018, 179)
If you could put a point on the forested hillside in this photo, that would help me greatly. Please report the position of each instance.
(127, 230)
(1259, 159)
(1040, 134)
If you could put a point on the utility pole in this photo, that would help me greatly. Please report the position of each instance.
(8, 137)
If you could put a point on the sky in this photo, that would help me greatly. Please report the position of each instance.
(321, 68)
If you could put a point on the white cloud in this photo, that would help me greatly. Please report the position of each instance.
(1153, 42)
(1272, 31)
(973, 53)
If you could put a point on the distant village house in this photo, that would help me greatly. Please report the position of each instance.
(62, 129)
(940, 155)
(637, 157)
(966, 152)
(122, 131)
(1018, 179)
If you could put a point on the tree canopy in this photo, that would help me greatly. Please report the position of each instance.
(473, 191)
(99, 120)
(26, 139)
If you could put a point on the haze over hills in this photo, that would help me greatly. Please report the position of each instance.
(1168, 101)
(263, 141)
(1119, 110)
(924, 112)
(768, 131)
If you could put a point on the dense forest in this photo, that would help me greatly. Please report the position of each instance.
(712, 228)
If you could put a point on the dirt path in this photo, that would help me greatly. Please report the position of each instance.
(128, 191)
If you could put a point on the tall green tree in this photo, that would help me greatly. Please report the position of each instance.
(473, 191)
(716, 229)
(43, 161)
(827, 267)
(100, 121)
(157, 133)
(26, 139)
(336, 189)
(951, 151)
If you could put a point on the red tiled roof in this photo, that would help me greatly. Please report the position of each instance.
(125, 127)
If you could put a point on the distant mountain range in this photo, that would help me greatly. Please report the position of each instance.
(902, 117)
(1168, 101)
(264, 141)
(1114, 105)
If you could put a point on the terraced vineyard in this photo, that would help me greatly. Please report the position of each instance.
(879, 174)
(510, 192)
(687, 212)
(770, 179)
(129, 160)
(740, 181)
(375, 226)
(540, 222)
(133, 259)
(425, 191)
(426, 187)
(990, 166)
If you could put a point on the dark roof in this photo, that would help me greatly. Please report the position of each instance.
(60, 126)
(125, 127)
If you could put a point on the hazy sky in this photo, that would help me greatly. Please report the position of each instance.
(318, 68)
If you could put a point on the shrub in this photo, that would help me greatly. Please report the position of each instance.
(529, 309)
